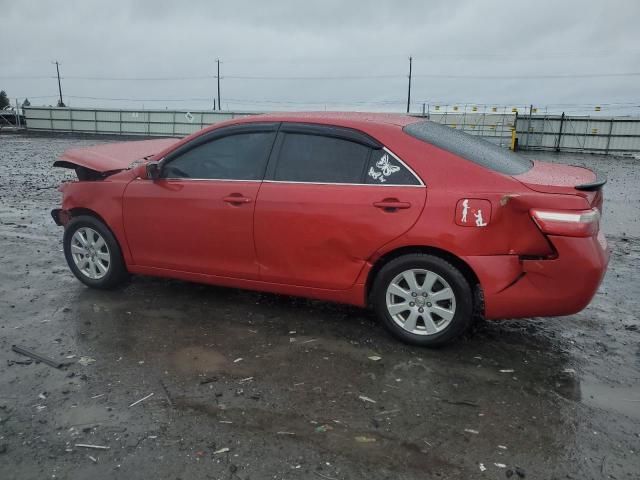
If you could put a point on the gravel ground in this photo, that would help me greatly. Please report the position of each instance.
(249, 385)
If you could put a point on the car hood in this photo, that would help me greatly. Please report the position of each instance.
(113, 157)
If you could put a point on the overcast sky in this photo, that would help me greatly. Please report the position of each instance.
(334, 54)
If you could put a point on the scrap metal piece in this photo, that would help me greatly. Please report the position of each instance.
(36, 356)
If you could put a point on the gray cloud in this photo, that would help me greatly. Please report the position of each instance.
(501, 39)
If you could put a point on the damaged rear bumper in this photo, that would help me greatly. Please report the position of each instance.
(562, 285)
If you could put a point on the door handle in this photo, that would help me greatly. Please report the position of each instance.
(236, 199)
(391, 205)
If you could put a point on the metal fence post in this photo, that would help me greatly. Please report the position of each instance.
(606, 150)
(560, 132)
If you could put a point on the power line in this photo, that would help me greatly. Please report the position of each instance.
(350, 102)
(339, 77)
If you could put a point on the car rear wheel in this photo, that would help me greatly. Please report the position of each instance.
(93, 253)
(423, 299)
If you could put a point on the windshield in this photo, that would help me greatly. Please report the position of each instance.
(470, 147)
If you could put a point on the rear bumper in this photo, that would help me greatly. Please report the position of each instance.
(516, 288)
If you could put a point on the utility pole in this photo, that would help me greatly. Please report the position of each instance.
(218, 76)
(60, 102)
(409, 92)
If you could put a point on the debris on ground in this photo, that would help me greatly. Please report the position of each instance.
(365, 439)
(36, 356)
(85, 361)
(222, 450)
(323, 428)
(507, 370)
(238, 360)
(206, 380)
(95, 447)
(467, 403)
(388, 412)
(141, 400)
(482, 467)
(469, 430)
(500, 465)
(93, 459)
(374, 358)
(366, 399)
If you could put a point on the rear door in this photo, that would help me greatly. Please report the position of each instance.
(331, 198)
(198, 216)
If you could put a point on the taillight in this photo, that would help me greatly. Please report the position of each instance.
(568, 223)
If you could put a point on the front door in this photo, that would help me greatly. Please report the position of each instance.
(198, 216)
(328, 205)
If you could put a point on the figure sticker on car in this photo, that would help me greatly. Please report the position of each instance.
(386, 168)
(479, 208)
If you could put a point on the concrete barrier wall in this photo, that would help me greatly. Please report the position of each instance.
(125, 122)
(579, 134)
(559, 133)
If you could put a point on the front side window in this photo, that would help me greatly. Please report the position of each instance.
(241, 156)
(319, 159)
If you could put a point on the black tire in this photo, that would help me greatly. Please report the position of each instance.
(464, 298)
(116, 273)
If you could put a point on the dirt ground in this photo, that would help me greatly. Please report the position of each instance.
(249, 385)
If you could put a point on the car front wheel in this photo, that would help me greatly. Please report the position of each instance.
(423, 299)
(93, 253)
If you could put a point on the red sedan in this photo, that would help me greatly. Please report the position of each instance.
(428, 225)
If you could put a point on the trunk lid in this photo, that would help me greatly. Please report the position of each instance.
(112, 157)
(548, 177)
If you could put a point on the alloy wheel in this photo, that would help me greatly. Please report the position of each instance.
(421, 302)
(90, 253)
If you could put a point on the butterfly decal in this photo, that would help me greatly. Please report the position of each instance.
(376, 175)
(386, 167)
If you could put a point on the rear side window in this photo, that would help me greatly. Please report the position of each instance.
(385, 169)
(470, 147)
(319, 159)
(241, 156)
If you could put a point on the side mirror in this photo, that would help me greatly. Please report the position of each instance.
(147, 171)
(152, 170)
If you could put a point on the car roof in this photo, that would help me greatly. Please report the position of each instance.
(346, 119)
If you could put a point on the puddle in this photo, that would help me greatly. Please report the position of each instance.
(624, 400)
(198, 360)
